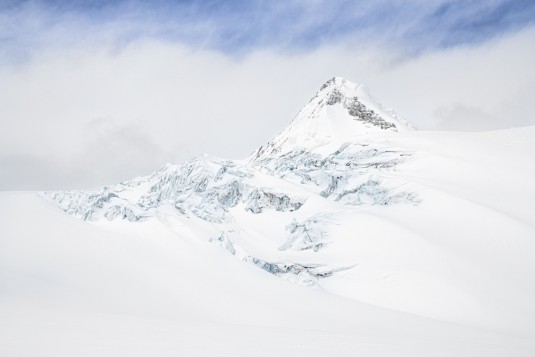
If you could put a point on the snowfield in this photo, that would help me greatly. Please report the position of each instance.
(349, 234)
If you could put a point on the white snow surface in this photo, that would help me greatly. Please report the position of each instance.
(344, 236)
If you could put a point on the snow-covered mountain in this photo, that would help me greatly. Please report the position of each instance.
(322, 163)
(396, 235)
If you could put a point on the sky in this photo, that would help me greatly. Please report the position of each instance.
(97, 92)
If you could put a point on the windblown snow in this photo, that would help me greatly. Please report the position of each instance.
(350, 233)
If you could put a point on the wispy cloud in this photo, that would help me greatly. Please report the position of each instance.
(455, 23)
(239, 27)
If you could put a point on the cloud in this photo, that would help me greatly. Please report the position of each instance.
(238, 28)
(466, 118)
(495, 78)
(117, 152)
(113, 153)
(94, 102)
(453, 23)
(31, 172)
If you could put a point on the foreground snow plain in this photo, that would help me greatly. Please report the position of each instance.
(448, 273)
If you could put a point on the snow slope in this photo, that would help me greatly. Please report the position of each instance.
(389, 242)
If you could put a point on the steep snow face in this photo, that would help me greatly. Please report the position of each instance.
(339, 112)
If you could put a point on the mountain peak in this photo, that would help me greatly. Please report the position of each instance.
(340, 112)
(345, 87)
(338, 82)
